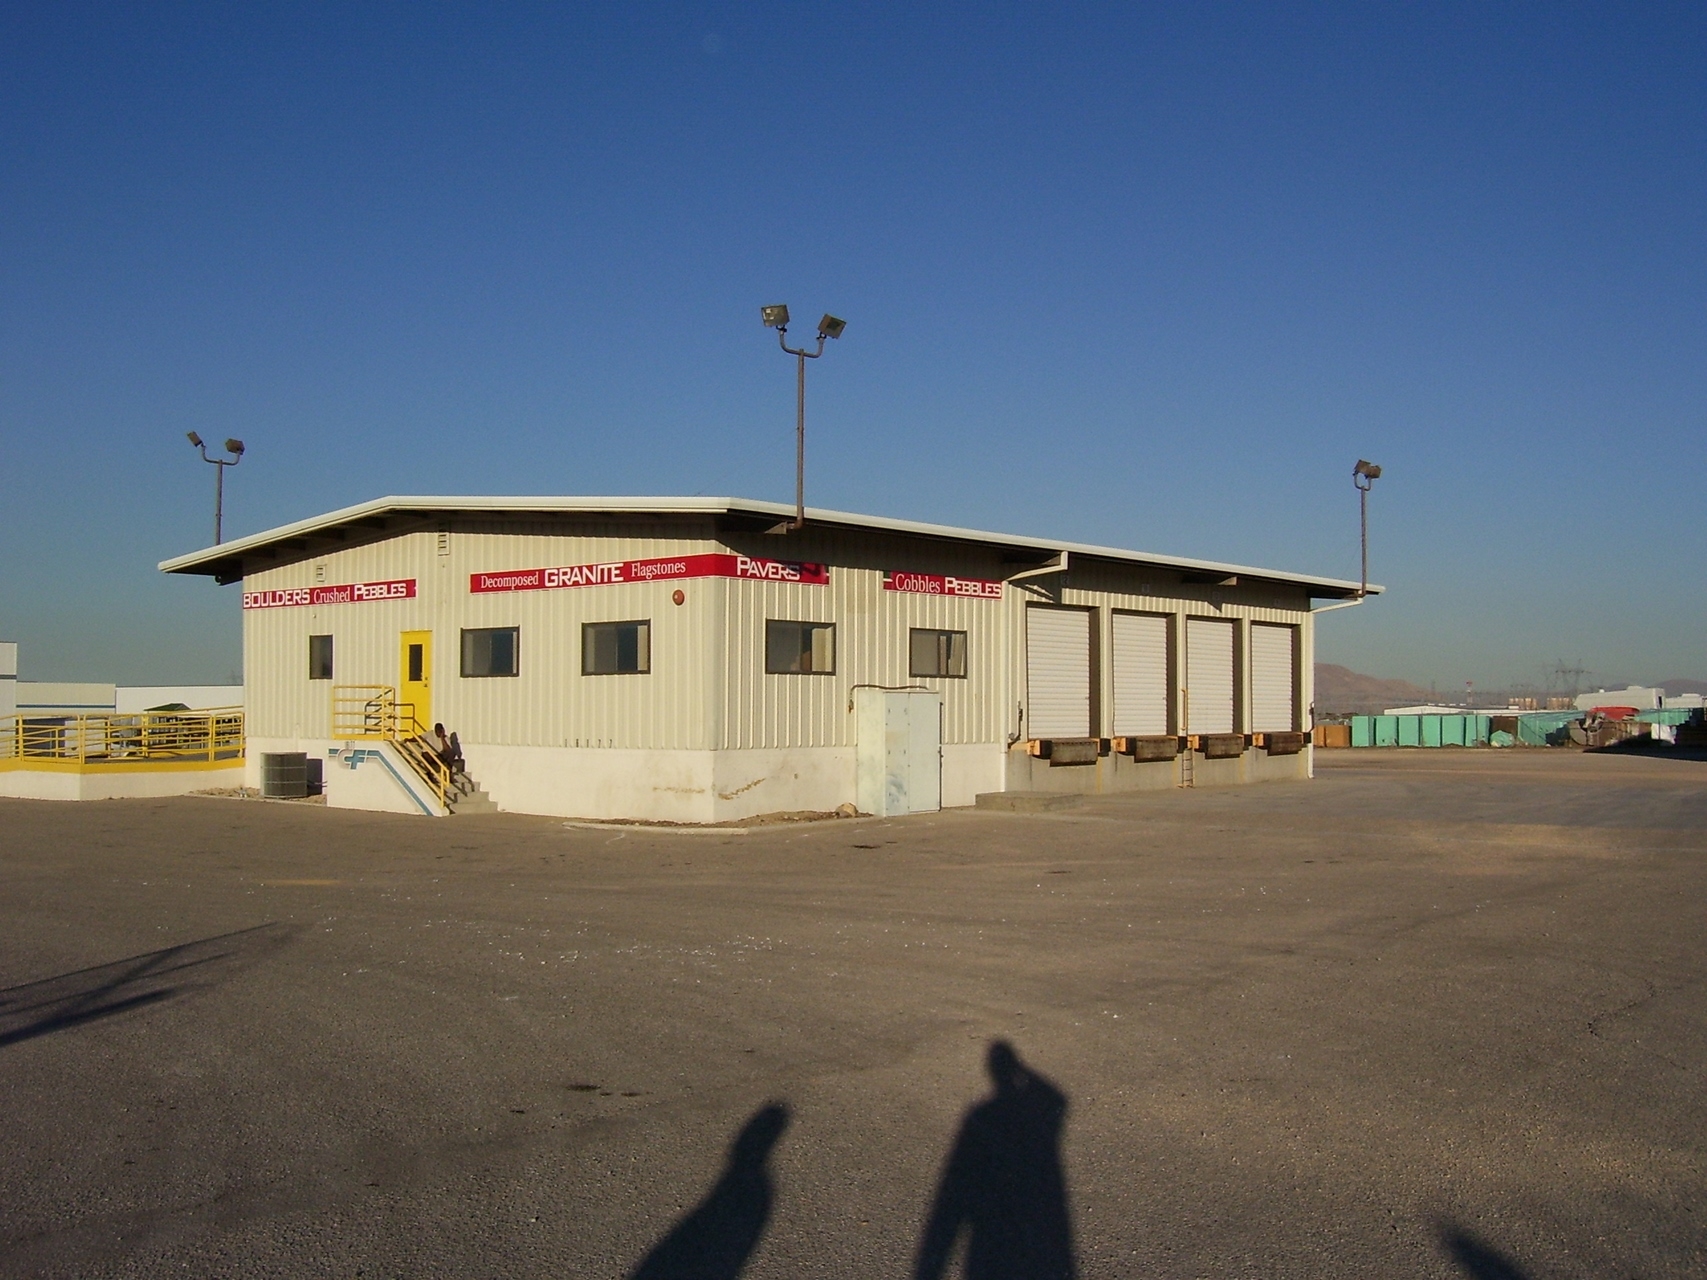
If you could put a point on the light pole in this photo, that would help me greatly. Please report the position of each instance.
(829, 327)
(1364, 475)
(233, 447)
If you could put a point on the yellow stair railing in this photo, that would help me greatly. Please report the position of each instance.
(371, 712)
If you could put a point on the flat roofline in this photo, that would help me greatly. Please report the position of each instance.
(221, 561)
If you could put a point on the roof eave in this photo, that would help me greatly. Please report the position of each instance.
(225, 562)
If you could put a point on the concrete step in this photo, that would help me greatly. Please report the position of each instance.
(1028, 801)
(473, 802)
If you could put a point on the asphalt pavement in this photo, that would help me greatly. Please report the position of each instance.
(1433, 1014)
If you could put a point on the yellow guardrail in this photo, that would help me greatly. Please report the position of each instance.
(369, 712)
(141, 738)
(372, 711)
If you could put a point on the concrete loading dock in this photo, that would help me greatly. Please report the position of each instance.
(669, 659)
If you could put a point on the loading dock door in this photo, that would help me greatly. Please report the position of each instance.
(1209, 675)
(1057, 672)
(1273, 678)
(1140, 674)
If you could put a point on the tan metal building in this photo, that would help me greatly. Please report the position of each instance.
(676, 659)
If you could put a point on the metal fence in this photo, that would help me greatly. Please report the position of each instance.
(141, 738)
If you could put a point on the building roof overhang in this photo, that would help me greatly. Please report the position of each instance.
(387, 517)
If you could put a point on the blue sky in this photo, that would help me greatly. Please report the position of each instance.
(1146, 275)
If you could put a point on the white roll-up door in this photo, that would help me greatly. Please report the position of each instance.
(1209, 675)
(1140, 657)
(1273, 705)
(1058, 672)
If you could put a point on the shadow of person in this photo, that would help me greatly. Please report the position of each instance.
(1477, 1258)
(715, 1239)
(1004, 1185)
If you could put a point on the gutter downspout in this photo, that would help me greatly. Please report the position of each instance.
(1059, 567)
(1356, 600)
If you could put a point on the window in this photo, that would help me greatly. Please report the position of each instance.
(491, 651)
(936, 653)
(800, 648)
(319, 657)
(616, 648)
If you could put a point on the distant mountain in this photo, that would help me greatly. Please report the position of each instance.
(1340, 691)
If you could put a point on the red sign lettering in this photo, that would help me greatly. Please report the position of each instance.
(715, 564)
(931, 584)
(344, 593)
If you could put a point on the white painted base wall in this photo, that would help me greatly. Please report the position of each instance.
(662, 786)
(375, 776)
(46, 784)
(658, 786)
(970, 768)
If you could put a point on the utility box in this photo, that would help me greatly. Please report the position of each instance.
(900, 751)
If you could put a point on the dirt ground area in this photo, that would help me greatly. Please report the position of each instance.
(1435, 1014)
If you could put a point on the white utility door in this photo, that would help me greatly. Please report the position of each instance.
(1209, 675)
(1057, 672)
(898, 759)
(1273, 667)
(1140, 674)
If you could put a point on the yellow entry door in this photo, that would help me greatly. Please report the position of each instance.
(415, 675)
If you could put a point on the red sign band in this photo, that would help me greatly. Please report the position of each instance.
(346, 593)
(931, 584)
(713, 564)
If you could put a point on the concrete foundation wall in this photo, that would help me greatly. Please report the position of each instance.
(969, 769)
(699, 786)
(67, 784)
(596, 782)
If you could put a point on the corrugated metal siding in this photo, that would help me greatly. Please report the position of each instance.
(1209, 675)
(872, 627)
(1139, 658)
(1273, 677)
(550, 703)
(1057, 672)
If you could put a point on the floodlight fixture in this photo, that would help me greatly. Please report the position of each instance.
(235, 448)
(1364, 475)
(776, 317)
